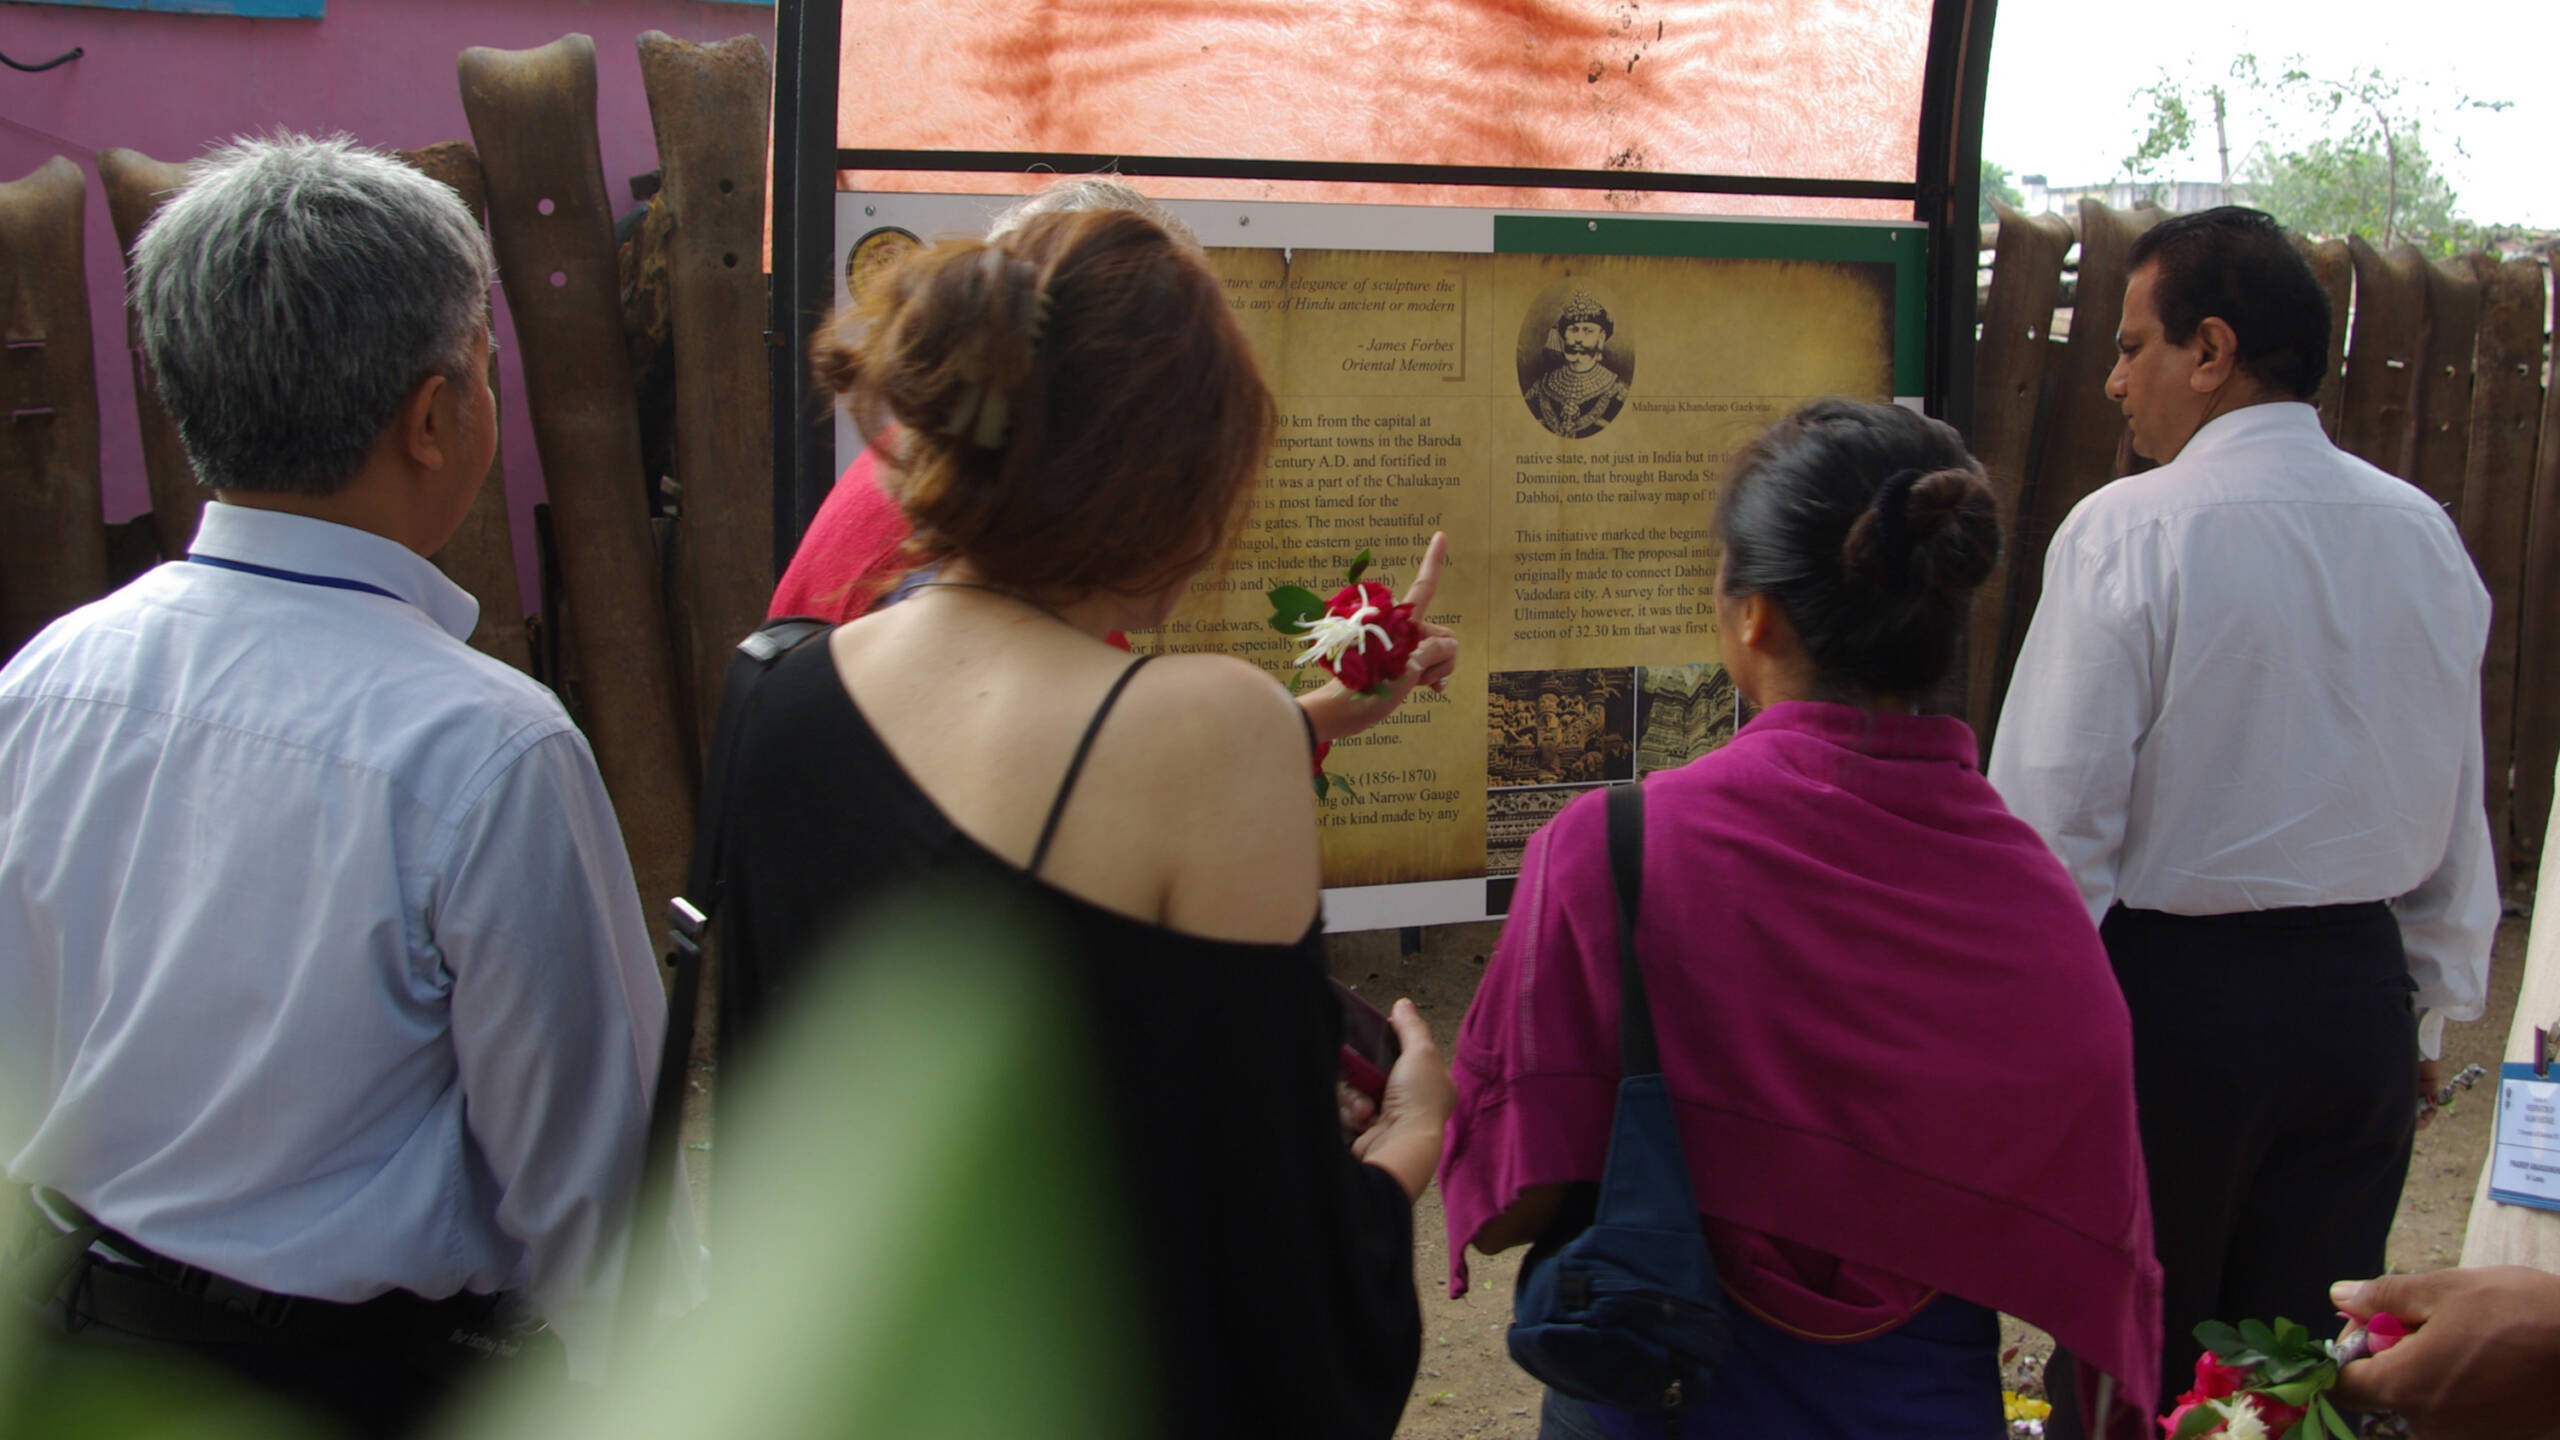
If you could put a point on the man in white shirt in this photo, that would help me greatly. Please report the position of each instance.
(324, 988)
(2247, 718)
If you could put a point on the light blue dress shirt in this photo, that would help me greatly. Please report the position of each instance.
(321, 966)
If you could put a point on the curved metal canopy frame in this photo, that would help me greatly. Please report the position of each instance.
(1857, 176)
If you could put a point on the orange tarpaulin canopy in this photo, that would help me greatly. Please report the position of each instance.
(1817, 109)
(1806, 89)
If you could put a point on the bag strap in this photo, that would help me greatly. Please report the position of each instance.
(763, 648)
(688, 929)
(1075, 767)
(689, 914)
(1636, 1052)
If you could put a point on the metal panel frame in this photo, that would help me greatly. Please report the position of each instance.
(807, 57)
(1358, 172)
(1950, 161)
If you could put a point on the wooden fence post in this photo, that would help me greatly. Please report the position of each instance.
(2086, 430)
(2379, 420)
(708, 105)
(2331, 266)
(53, 542)
(481, 556)
(2449, 330)
(2537, 744)
(2008, 398)
(2497, 491)
(533, 116)
(137, 186)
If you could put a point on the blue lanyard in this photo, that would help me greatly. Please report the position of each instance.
(296, 576)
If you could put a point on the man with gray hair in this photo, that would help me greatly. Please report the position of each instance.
(326, 1004)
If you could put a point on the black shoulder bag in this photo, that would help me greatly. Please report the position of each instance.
(688, 930)
(1629, 1313)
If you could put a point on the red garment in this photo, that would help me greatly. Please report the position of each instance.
(1900, 1061)
(852, 552)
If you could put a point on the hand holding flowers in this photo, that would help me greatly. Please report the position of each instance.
(2256, 1382)
(1340, 638)
(2481, 1357)
(1377, 649)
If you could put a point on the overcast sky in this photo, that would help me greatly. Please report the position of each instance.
(2063, 73)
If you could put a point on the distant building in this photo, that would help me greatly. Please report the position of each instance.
(2178, 195)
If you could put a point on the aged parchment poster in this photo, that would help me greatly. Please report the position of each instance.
(1560, 393)
(1566, 420)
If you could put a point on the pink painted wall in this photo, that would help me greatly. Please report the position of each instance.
(382, 70)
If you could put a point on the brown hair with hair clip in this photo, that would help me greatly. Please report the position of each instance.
(1077, 410)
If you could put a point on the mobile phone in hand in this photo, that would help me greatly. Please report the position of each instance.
(1369, 1046)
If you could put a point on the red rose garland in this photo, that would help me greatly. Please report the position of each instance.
(1376, 637)
(2256, 1382)
(1362, 637)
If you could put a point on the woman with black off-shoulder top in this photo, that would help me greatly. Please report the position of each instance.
(1079, 425)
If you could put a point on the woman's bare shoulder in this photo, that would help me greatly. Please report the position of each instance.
(1196, 698)
(1226, 753)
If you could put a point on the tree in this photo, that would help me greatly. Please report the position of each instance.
(2344, 153)
(2371, 135)
(2172, 129)
(2338, 187)
(1996, 186)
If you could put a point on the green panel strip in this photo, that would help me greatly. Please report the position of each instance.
(1902, 244)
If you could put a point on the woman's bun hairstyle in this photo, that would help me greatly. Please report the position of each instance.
(1922, 532)
(957, 331)
(1075, 408)
(1870, 526)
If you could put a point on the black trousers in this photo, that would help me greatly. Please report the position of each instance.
(384, 1369)
(2276, 1073)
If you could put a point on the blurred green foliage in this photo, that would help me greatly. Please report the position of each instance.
(921, 1237)
(918, 1230)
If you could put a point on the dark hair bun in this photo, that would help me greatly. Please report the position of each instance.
(1938, 531)
(1871, 527)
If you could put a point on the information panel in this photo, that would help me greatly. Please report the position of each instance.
(1561, 395)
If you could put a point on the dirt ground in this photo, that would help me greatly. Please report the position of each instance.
(1468, 1385)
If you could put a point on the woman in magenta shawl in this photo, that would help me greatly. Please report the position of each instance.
(1902, 1069)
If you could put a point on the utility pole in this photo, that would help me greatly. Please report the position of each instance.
(2222, 143)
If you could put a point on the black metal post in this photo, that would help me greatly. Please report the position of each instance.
(806, 58)
(1950, 175)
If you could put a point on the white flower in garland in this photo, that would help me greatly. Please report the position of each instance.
(1330, 637)
(2240, 1419)
(1362, 637)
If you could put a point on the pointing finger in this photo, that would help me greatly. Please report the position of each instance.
(1426, 580)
